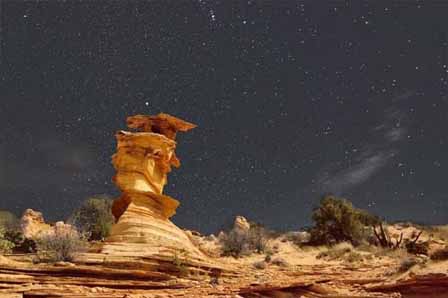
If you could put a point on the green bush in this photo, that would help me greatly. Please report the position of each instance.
(8, 220)
(21, 244)
(94, 217)
(337, 220)
(13, 233)
(6, 246)
(61, 244)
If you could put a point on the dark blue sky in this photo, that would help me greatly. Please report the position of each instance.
(291, 99)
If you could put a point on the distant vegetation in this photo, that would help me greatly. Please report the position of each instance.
(8, 220)
(94, 217)
(238, 242)
(11, 234)
(337, 220)
(6, 246)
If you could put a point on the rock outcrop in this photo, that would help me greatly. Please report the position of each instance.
(241, 225)
(32, 224)
(143, 159)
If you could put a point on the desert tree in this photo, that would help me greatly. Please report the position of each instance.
(337, 220)
(94, 217)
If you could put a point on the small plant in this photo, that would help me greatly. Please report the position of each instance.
(336, 252)
(60, 244)
(353, 257)
(260, 265)
(384, 239)
(417, 248)
(440, 254)
(234, 243)
(215, 275)
(237, 243)
(407, 264)
(268, 256)
(180, 265)
(6, 246)
(21, 244)
(257, 239)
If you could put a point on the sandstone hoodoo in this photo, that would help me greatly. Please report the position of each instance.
(143, 159)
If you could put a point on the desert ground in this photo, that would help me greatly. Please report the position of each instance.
(285, 268)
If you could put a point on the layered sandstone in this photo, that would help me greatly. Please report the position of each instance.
(143, 159)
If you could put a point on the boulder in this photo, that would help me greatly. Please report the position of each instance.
(32, 224)
(241, 224)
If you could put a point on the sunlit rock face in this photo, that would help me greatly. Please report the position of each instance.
(143, 159)
(32, 224)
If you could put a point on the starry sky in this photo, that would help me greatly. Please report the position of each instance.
(292, 100)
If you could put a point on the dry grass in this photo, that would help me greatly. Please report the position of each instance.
(336, 252)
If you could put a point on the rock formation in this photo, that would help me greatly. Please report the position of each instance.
(32, 224)
(241, 225)
(143, 159)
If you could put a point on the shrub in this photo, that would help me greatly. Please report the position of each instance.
(237, 243)
(407, 264)
(21, 244)
(94, 217)
(336, 252)
(268, 256)
(8, 220)
(337, 220)
(60, 244)
(257, 239)
(353, 257)
(13, 233)
(259, 265)
(179, 264)
(440, 254)
(417, 248)
(6, 246)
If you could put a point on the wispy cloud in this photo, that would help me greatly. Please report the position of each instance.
(56, 164)
(357, 173)
(372, 157)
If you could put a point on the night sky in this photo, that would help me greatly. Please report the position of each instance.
(292, 100)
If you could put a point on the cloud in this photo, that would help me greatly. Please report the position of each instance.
(48, 163)
(63, 155)
(357, 173)
(395, 134)
(372, 157)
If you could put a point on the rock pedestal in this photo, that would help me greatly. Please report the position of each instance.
(142, 161)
